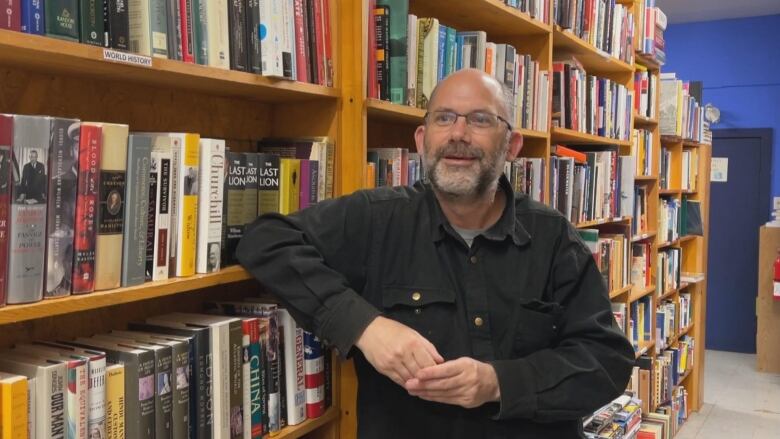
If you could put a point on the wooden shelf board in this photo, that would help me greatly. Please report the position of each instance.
(691, 144)
(565, 135)
(643, 236)
(689, 192)
(388, 111)
(668, 294)
(620, 291)
(685, 331)
(687, 238)
(646, 60)
(646, 178)
(685, 375)
(620, 219)
(99, 299)
(644, 121)
(696, 281)
(533, 134)
(671, 139)
(644, 348)
(595, 62)
(309, 425)
(53, 56)
(488, 15)
(640, 293)
(668, 191)
(668, 243)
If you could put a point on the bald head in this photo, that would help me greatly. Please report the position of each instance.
(472, 81)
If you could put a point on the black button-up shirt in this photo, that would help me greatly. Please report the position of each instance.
(526, 297)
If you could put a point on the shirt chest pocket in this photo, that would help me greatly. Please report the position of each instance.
(537, 327)
(429, 311)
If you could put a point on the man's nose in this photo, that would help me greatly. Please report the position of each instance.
(460, 129)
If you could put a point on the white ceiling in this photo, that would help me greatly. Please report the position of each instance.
(684, 11)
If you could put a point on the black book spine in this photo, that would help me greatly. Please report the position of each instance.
(311, 30)
(118, 25)
(92, 22)
(237, 22)
(253, 47)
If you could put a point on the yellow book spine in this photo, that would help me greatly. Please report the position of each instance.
(289, 185)
(115, 401)
(189, 210)
(13, 408)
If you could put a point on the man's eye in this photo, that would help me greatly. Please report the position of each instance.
(444, 117)
(481, 119)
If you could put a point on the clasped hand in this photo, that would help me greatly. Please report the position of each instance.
(412, 362)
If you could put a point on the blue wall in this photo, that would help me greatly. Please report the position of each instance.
(739, 62)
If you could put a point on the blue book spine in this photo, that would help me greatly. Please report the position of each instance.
(442, 50)
(452, 49)
(459, 52)
(32, 17)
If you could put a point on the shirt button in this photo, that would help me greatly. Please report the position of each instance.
(417, 311)
(416, 296)
(478, 321)
(473, 259)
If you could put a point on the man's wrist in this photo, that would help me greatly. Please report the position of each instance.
(493, 389)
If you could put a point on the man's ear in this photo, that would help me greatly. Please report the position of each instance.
(419, 139)
(515, 144)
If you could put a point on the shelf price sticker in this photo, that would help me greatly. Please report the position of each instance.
(127, 58)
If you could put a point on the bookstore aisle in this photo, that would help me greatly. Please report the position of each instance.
(738, 401)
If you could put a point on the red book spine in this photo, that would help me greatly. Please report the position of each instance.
(12, 15)
(90, 144)
(6, 139)
(302, 71)
(328, 43)
(185, 12)
(319, 42)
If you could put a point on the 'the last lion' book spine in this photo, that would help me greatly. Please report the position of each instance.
(28, 209)
(90, 141)
(63, 185)
(6, 145)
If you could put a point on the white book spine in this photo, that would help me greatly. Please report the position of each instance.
(162, 227)
(140, 27)
(295, 384)
(175, 202)
(218, 34)
(271, 54)
(411, 53)
(247, 396)
(288, 40)
(212, 163)
(31, 402)
(96, 419)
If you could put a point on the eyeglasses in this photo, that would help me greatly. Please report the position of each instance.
(476, 119)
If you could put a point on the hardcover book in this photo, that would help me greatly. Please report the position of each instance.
(234, 204)
(212, 167)
(267, 183)
(110, 207)
(90, 141)
(6, 148)
(115, 401)
(63, 187)
(136, 213)
(159, 222)
(184, 215)
(27, 244)
(62, 19)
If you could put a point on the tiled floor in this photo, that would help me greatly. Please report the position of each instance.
(738, 401)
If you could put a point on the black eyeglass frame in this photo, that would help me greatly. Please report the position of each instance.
(465, 116)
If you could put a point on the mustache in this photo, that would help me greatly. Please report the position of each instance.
(460, 149)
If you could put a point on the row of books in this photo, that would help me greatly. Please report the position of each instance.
(408, 56)
(690, 169)
(621, 418)
(177, 375)
(526, 175)
(294, 35)
(646, 92)
(668, 269)
(88, 206)
(536, 9)
(666, 321)
(589, 104)
(611, 253)
(641, 273)
(668, 219)
(642, 148)
(664, 402)
(651, 23)
(667, 420)
(393, 167)
(604, 24)
(681, 114)
(640, 225)
(640, 322)
(592, 185)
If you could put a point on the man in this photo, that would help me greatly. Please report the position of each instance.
(32, 188)
(471, 312)
(212, 263)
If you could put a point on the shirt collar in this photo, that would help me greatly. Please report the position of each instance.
(507, 224)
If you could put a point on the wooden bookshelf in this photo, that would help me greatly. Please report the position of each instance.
(492, 16)
(620, 291)
(309, 425)
(640, 293)
(595, 61)
(647, 61)
(643, 236)
(565, 135)
(645, 178)
(598, 222)
(643, 121)
(388, 111)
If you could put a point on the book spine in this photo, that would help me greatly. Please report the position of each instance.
(301, 61)
(136, 214)
(267, 183)
(92, 27)
(63, 185)
(180, 413)
(327, 44)
(217, 30)
(254, 53)
(77, 398)
(27, 242)
(158, 31)
(246, 394)
(32, 17)
(250, 190)
(397, 33)
(255, 380)
(235, 183)
(200, 32)
(187, 31)
(62, 19)
(294, 369)
(289, 185)
(173, 11)
(118, 24)
(11, 15)
(6, 151)
(187, 216)
(212, 164)
(287, 36)
(237, 21)
(115, 401)
(314, 369)
(163, 228)
(14, 407)
(96, 396)
(175, 201)
(111, 205)
(235, 371)
(154, 172)
(311, 30)
(139, 22)
(163, 401)
(90, 142)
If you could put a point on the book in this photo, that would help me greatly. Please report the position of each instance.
(136, 213)
(61, 209)
(51, 376)
(6, 150)
(209, 240)
(90, 141)
(320, 149)
(184, 213)
(295, 386)
(158, 232)
(235, 185)
(62, 19)
(110, 206)
(397, 56)
(251, 197)
(217, 34)
(427, 58)
(267, 183)
(11, 16)
(27, 243)
(115, 401)
(13, 406)
(289, 185)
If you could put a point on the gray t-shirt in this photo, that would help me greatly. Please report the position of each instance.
(468, 235)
